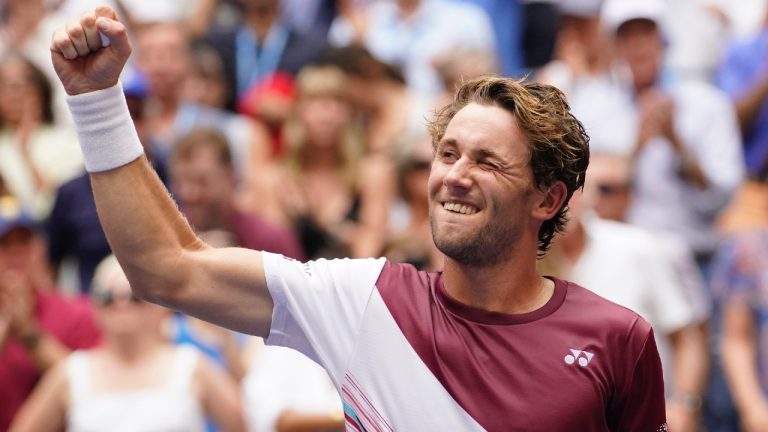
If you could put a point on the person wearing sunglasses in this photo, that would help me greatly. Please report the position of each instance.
(136, 380)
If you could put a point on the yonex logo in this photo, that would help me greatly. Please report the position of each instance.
(583, 357)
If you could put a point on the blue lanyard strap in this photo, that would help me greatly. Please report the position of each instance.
(254, 62)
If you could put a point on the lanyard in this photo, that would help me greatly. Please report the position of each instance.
(254, 62)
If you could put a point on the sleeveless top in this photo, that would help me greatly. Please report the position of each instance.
(168, 408)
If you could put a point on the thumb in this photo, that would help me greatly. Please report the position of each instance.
(115, 34)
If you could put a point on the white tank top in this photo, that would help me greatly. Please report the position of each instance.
(169, 408)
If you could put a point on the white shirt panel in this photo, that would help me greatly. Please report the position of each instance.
(319, 305)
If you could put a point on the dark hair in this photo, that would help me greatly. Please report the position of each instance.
(558, 144)
(39, 80)
(201, 138)
(358, 62)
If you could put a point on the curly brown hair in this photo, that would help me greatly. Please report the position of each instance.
(558, 143)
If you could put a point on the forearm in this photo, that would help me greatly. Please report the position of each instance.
(739, 358)
(690, 366)
(293, 421)
(144, 228)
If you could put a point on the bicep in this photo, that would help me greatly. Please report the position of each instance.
(225, 286)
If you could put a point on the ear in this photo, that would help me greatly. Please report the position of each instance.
(549, 201)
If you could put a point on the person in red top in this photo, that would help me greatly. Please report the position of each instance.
(38, 326)
(409, 351)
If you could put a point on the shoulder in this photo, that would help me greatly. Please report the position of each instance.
(598, 312)
(700, 96)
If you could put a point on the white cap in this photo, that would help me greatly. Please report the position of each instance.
(580, 8)
(617, 12)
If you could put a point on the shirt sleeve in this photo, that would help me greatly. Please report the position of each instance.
(319, 306)
(638, 404)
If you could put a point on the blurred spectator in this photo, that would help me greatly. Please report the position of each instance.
(285, 391)
(202, 180)
(260, 47)
(744, 75)
(340, 196)
(26, 27)
(394, 117)
(312, 17)
(582, 52)
(682, 136)
(412, 34)
(38, 326)
(73, 227)
(136, 381)
(413, 242)
(740, 283)
(36, 156)
(164, 57)
(207, 83)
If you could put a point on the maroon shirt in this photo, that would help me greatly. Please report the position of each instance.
(579, 363)
(69, 321)
(255, 233)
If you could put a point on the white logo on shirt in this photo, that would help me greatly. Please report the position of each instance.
(583, 357)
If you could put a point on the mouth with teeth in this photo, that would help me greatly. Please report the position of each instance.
(459, 208)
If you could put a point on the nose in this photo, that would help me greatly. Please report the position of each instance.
(459, 175)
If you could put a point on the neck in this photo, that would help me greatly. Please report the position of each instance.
(325, 159)
(260, 22)
(130, 348)
(512, 286)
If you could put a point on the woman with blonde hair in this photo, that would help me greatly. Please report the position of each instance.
(136, 380)
(336, 194)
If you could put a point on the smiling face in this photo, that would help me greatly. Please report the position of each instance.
(481, 189)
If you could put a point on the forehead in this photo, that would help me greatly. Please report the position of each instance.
(608, 167)
(197, 158)
(487, 127)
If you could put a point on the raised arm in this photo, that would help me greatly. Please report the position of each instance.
(164, 260)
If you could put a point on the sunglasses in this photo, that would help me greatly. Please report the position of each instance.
(108, 298)
(612, 188)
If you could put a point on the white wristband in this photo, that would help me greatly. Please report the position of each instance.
(105, 129)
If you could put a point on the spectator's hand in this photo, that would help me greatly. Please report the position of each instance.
(656, 116)
(17, 303)
(81, 62)
(755, 419)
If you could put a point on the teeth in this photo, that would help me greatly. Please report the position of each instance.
(459, 208)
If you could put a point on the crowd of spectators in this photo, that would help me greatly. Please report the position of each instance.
(298, 127)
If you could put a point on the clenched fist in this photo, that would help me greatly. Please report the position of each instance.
(82, 62)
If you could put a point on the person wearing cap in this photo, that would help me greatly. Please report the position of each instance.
(38, 326)
(682, 136)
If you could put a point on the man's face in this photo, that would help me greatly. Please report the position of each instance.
(204, 188)
(609, 186)
(20, 250)
(640, 44)
(164, 57)
(481, 188)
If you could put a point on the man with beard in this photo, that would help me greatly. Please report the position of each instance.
(486, 344)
